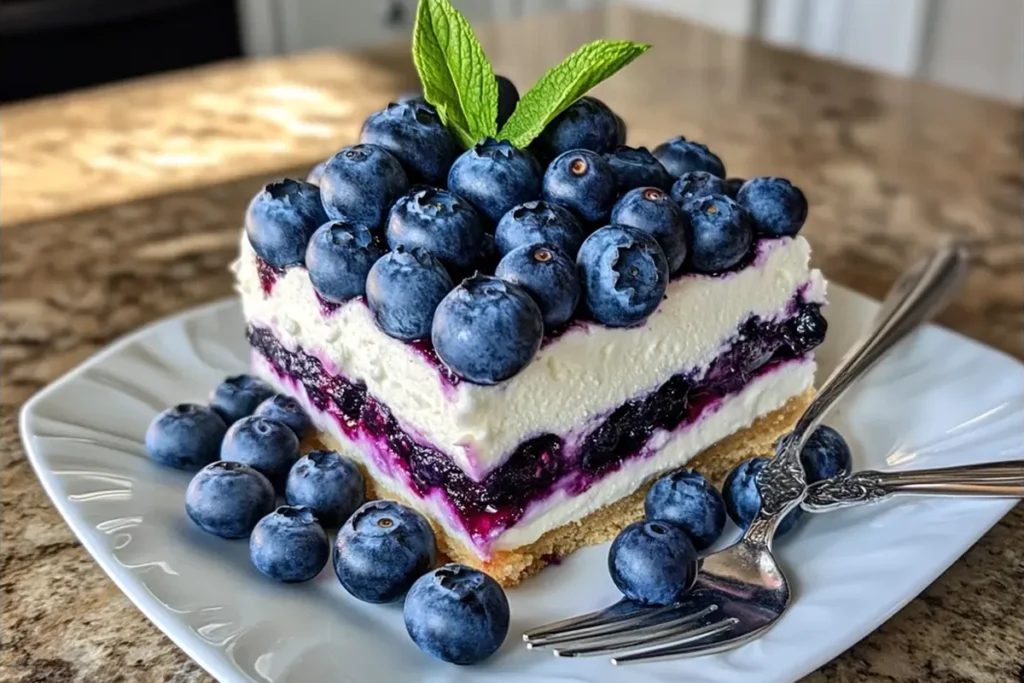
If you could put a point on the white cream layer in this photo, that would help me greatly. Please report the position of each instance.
(764, 394)
(585, 372)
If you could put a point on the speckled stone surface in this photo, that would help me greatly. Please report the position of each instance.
(889, 166)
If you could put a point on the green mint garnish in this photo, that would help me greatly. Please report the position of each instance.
(566, 83)
(457, 78)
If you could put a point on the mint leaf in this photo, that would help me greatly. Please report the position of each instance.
(566, 83)
(457, 78)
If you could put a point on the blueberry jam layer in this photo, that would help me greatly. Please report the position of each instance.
(544, 464)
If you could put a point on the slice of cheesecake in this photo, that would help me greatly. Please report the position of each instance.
(515, 474)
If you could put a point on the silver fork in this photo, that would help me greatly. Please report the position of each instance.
(741, 591)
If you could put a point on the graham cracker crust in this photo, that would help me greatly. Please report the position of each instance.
(509, 567)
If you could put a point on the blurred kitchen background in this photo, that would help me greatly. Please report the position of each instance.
(49, 46)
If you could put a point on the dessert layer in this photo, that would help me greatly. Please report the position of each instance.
(586, 370)
(550, 479)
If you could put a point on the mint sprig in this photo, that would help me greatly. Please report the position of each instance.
(566, 83)
(459, 81)
(457, 78)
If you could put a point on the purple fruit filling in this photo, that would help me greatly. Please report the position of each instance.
(542, 465)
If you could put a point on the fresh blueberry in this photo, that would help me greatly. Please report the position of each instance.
(280, 220)
(587, 123)
(495, 176)
(268, 446)
(360, 183)
(538, 222)
(486, 330)
(186, 436)
(806, 330)
(742, 500)
(339, 258)
(653, 211)
(238, 397)
(687, 499)
(621, 131)
(624, 274)
(289, 545)
(652, 562)
(413, 133)
(457, 614)
(317, 172)
(508, 98)
(330, 485)
(777, 207)
(287, 410)
(696, 184)
(732, 187)
(438, 221)
(227, 499)
(403, 290)
(381, 550)
(680, 156)
(583, 182)
(637, 168)
(826, 454)
(548, 275)
(721, 233)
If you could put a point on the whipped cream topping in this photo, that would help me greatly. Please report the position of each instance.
(588, 370)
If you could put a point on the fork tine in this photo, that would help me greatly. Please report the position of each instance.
(601, 628)
(712, 640)
(674, 638)
(620, 611)
(617, 632)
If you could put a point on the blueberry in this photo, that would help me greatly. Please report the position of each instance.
(339, 258)
(696, 184)
(806, 330)
(268, 446)
(587, 123)
(239, 396)
(289, 545)
(438, 221)
(653, 211)
(413, 133)
(721, 233)
(317, 172)
(360, 183)
(687, 499)
(583, 182)
(330, 485)
(621, 131)
(548, 275)
(777, 207)
(508, 98)
(495, 176)
(680, 156)
(637, 168)
(280, 220)
(652, 562)
(742, 500)
(186, 436)
(287, 410)
(826, 454)
(381, 550)
(227, 499)
(536, 222)
(403, 290)
(624, 274)
(486, 330)
(457, 614)
(732, 186)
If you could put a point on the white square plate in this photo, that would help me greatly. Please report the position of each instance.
(941, 399)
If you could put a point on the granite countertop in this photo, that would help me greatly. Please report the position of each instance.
(123, 204)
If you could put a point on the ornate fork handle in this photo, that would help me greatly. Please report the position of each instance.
(996, 480)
